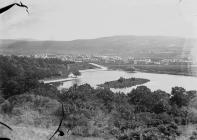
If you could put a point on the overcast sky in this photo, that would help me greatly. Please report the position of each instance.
(78, 19)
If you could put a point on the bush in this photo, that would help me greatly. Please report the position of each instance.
(31, 110)
(165, 118)
(1, 99)
(6, 107)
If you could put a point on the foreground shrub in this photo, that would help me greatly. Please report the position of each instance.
(6, 107)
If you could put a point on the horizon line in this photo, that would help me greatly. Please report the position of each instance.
(33, 39)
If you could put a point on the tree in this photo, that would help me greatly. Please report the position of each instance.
(76, 73)
(140, 97)
(11, 88)
(179, 97)
(4, 9)
(121, 79)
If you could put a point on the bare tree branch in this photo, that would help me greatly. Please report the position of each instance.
(6, 126)
(61, 133)
(4, 9)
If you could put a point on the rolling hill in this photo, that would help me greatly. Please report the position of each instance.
(124, 46)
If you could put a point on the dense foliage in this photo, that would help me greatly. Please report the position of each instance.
(21, 74)
(140, 113)
(123, 82)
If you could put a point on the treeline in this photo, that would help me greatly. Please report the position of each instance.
(139, 114)
(21, 74)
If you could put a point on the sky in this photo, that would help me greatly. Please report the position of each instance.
(81, 19)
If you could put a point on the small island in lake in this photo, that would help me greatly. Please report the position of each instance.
(124, 83)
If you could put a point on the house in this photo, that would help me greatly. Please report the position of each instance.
(71, 75)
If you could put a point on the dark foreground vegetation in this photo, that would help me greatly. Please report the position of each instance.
(101, 113)
(20, 74)
(141, 114)
(123, 83)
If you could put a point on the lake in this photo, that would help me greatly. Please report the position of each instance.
(164, 82)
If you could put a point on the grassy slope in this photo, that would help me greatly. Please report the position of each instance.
(35, 133)
(33, 118)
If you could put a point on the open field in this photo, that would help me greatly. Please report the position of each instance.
(169, 69)
(187, 70)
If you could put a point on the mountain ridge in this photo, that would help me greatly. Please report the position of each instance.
(124, 46)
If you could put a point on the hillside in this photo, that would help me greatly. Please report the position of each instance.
(34, 109)
(125, 46)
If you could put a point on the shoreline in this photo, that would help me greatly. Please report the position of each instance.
(124, 83)
(100, 67)
(61, 79)
(132, 69)
(162, 72)
(57, 80)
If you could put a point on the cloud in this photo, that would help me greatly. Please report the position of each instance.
(71, 19)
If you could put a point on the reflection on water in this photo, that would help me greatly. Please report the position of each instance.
(157, 81)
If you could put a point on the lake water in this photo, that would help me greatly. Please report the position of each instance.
(164, 82)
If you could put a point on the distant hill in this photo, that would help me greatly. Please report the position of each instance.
(124, 46)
